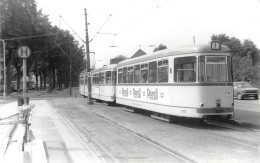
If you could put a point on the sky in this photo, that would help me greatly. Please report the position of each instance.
(124, 26)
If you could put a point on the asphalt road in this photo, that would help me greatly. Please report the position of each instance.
(248, 111)
(194, 141)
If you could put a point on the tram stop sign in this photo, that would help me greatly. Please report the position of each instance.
(24, 52)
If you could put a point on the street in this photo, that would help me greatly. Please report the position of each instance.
(248, 111)
(73, 131)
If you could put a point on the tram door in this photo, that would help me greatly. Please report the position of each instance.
(101, 84)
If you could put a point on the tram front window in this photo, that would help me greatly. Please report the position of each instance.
(215, 70)
(185, 69)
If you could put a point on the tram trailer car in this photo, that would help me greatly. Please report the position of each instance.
(191, 81)
(83, 83)
(103, 85)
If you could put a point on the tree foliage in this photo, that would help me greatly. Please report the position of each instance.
(51, 53)
(245, 58)
(160, 47)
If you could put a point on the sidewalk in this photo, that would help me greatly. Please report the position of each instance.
(52, 140)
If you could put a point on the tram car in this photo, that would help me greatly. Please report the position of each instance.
(83, 83)
(191, 81)
(103, 84)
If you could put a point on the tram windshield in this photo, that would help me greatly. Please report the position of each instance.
(214, 69)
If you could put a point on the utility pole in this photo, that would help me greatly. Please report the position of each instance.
(70, 57)
(193, 39)
(88, 61)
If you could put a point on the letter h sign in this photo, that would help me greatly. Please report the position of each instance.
(24, 52)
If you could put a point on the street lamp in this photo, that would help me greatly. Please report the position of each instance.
(4, 66)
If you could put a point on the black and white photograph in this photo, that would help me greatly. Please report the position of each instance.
(129, 81)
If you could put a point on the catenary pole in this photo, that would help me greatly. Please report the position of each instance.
(88, 61)
(4, 93)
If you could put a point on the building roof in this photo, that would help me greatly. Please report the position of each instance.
(139, 53)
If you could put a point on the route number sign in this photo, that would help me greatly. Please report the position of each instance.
(24, 52)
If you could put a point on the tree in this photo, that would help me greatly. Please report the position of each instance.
(160, 47)
(249, 49)
(245, 58)
(20, 19)
(118, 59)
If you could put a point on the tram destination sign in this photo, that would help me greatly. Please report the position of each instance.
(24, 52)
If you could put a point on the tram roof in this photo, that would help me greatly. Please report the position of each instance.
(190, 49)
(105, 68)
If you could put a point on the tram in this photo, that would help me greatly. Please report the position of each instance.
(103, 83)
(190, 81)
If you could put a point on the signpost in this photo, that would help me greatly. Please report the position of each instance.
(24, 52)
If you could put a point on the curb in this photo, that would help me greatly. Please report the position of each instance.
(37, 152)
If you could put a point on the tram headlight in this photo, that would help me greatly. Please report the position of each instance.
(201, 104)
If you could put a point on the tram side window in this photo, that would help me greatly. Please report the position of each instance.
(120, 75)
(137, 74)
(152, 72)
(144, 73)
(163, 71)
(130, 74)
(93, 79)
(96, 78)
(86, 79)
(202, 69)
(108, 77)
(82, 80)
(113, 77)
(185, 69)
(125, 75)
(229, 65)
(102, 75)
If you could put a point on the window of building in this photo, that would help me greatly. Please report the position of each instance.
(144, 73)
(163, 71)
(120, 75)
(130, 74)
(125, 75)
(152, 78)
(108, 77)
(185, 69)
(137, 74)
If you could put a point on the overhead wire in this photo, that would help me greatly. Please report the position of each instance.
(72, 29)
(100, 28)
(17, 38)
(140, 18)
(143, 16)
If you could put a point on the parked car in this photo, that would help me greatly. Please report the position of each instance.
(245, 89)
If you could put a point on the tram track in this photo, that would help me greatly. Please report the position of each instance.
(214, 132)
(85, 136)
(113, 157)
(92, 139)
(146, 139)
(223, 137)
(229, 124)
